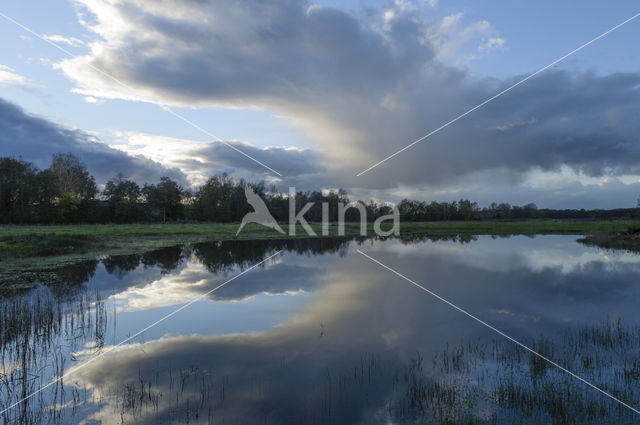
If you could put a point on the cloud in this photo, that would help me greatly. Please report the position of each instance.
(360, 88)
(363, 317)
(559, 189)
(91, 99)
(458, 44)
(71, 41)
(195, 279)
(493, 43)
(200, 160)
(8, 76)
(37, 139)
(136, 155)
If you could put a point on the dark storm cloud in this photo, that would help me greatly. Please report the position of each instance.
(36, 139)
(252, 50)
(583, 120)
(361, 87)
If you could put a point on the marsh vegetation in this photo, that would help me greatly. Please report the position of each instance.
(324, 362)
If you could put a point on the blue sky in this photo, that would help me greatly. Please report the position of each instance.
(317, 112)
(51, 94)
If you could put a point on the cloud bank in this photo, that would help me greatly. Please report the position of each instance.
(138, 156)
(200, 160)
(362, 86)
(36, 139)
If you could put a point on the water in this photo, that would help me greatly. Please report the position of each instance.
(320, 335)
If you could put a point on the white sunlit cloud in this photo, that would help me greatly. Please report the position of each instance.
(94, 100)
(458, 43)
(174, 153)
(193, 280)
(57, 38)
(200, 160)
(169, 290)
(8, 76)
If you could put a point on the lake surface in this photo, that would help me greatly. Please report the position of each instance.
(319, 334)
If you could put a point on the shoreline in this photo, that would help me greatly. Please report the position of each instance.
(27, 250)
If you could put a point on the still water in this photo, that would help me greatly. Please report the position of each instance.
(319, 334)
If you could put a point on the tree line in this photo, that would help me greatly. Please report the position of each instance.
(66, 192)
(412, 210)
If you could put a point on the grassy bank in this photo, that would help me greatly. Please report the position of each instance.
(628, 239)
(254, 231)
(29, 248)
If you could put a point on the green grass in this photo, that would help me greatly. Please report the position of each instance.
(517, 227)
(28, 249)
(36, 248)
(254, 231)
(628, 239)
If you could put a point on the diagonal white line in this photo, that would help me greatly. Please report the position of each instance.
(544, 68)
(128, 87)
(449, 303)
(162, 319)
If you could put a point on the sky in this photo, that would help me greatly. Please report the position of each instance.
(320, 91)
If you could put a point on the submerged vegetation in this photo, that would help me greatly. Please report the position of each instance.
(47, 331)
(503, 383)
(473, 383)
(36, 331)
(496, 383)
